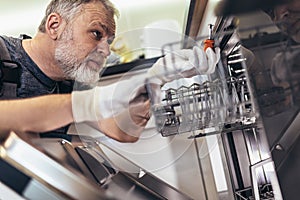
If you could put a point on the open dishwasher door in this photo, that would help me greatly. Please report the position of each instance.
(57, 169)
(88, 156)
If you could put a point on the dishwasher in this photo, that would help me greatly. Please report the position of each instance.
(237, 105)
(244, 115)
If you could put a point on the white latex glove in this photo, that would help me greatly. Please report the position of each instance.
(184, 63)
(107, 101)
(85, 105)
(124, 102)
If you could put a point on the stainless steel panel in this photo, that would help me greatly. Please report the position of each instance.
(66, 183)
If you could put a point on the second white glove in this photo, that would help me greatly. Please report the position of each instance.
(184, 63)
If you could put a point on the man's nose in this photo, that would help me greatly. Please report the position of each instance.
(104, 47)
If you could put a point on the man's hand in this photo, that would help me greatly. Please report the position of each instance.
(184, 63)
(121, 110)
(128, 125)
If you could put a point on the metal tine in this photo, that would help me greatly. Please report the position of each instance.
(204, 107)
(215, 109)
(222, 108)
(179, 94)
(243, 100)
(185, 106)
(208, 105)
(195, 108)
(222, 99)
(235, 101)
(195, 90)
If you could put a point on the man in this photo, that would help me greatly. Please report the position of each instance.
(72, 44)
(69, 32)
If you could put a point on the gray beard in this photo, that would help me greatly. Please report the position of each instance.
(74, 69)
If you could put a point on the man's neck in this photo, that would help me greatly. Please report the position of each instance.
(41, 50)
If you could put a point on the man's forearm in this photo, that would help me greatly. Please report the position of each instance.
(37, 114)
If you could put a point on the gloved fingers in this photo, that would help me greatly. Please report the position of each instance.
(111, 99)
(200, 60)
(179, 61)
(182, 54)
(184, 63)
(157, 71)
(169, 68)
(218, 54)
(140, 112)
(213, 57)
(133, 120)
(190, 73)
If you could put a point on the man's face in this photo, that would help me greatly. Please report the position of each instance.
(83, 46)
(288, 16)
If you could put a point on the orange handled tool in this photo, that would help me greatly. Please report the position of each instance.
(209, 42)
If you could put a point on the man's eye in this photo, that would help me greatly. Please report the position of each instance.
(110, 40)
(98, 35)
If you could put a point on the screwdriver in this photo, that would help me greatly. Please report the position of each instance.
(209, 42)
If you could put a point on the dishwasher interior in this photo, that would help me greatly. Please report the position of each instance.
(231, 105)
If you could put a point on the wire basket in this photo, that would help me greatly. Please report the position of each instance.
(189, 108)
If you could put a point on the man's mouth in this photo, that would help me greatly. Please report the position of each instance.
(94, 64)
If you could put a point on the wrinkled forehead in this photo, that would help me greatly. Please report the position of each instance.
(97, 12)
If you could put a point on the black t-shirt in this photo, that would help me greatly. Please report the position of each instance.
(33, 82)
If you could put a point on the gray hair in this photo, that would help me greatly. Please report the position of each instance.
(69, 8)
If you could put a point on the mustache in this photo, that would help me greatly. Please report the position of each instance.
(96, 57)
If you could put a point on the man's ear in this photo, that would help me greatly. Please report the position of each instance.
(53, 24)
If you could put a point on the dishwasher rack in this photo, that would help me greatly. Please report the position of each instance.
(203, 106)
(204, 103)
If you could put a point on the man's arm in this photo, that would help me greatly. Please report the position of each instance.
(38, 114)
(49, 112)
